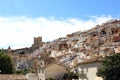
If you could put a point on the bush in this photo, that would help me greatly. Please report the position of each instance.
(6, 63)
(24, 72)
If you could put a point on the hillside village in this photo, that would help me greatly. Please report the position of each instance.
(78, 48)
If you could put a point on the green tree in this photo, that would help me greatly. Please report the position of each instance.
(111, 68)
(6, 64)
(23, 71)
(70, 76)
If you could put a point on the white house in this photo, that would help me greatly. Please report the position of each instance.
(87, 70)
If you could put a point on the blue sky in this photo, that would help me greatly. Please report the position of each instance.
(21, 20)
(59, 8)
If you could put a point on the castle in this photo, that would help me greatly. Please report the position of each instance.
(22, 56)
(37, 42)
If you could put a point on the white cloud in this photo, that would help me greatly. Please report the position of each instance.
(18, 31)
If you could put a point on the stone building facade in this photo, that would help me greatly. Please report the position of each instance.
(37, 42)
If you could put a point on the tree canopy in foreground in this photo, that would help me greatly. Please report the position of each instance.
(111, 68)
(6, 64)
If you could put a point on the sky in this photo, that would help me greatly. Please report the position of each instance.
(22, 20)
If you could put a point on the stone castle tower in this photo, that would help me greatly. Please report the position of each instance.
(9, 50)
(37, 42)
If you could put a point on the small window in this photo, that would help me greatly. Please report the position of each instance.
(103, 32)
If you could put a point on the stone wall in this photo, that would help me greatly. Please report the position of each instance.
(12, 77)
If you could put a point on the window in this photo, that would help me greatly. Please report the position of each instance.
(41, 70)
